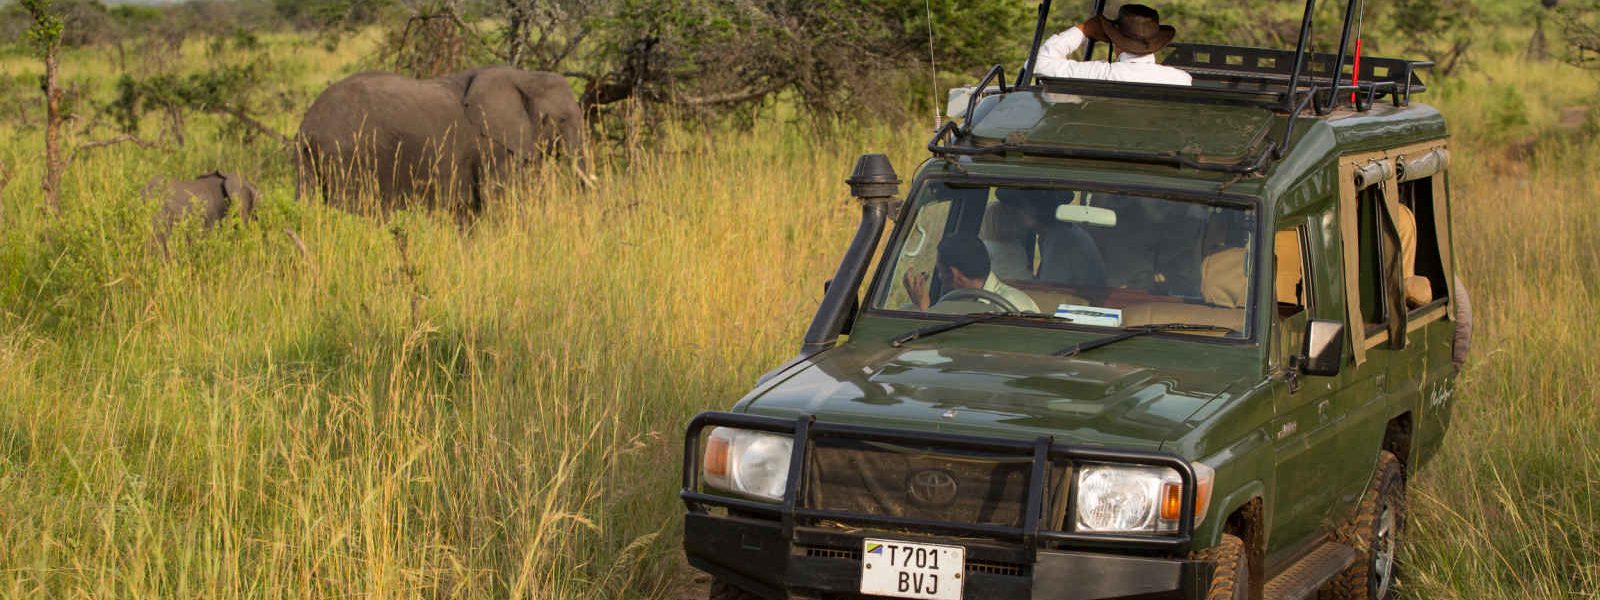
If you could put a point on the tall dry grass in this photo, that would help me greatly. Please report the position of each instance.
(1511, 507)
(406, 407)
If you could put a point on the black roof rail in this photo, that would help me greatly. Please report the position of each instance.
(938, 146)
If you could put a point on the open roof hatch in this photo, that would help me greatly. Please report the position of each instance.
(1264, 84)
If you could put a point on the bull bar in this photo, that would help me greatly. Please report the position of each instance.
(1031, 535)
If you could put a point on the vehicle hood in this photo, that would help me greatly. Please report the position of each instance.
(997, 393)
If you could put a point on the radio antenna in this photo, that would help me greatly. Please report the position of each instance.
(933, 71)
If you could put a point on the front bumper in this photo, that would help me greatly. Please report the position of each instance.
(791, 550)
(818, 563)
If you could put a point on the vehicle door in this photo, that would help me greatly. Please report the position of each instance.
(1306, 431)
(1421, 374)
(1379, 377)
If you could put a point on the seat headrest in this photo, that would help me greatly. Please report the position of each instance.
(1002, 223)
(1286, 246)
(1222, 280)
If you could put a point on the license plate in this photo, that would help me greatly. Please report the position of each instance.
(907, 570)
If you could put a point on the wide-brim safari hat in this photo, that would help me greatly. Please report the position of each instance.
(1137, 29)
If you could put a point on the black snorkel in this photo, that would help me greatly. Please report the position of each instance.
(874, 184)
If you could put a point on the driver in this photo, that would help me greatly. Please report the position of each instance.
(963, 263)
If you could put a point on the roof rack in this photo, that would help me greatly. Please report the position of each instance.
(1266, 70)
(1283, 81)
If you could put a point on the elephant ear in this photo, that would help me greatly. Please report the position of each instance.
(496, 105)
(242, 194)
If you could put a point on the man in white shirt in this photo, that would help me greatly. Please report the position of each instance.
(1137, 33)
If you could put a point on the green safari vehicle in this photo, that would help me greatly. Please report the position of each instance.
(1123, 341)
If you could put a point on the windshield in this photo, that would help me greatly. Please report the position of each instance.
(1091, 258)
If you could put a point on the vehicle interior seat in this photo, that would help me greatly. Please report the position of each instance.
(1291, 268)
(1002, 233)
(1418, 289)
(1005, 234)
(1223, 286)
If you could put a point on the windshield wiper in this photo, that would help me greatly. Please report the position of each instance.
(970, 319)
(1133, 332)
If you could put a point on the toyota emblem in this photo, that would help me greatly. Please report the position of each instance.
(932, 487)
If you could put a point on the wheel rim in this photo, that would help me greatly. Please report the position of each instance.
(1383, 552)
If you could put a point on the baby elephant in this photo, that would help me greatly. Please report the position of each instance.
(210, 196)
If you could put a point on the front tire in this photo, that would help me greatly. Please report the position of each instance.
(1231, 581)
(1376, 534)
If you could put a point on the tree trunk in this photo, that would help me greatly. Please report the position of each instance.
(516, 31)
(1538, 48)
(175, 125)
(52, 132)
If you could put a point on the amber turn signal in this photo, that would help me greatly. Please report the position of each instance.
(1171, 501)
(715, 461)
(1172, 495)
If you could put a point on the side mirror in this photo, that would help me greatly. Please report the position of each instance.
(1323, 352)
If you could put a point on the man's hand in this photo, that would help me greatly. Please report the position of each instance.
(1092, 30)
(917, 287)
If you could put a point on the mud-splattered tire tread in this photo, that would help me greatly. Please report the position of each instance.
(1231, 579)
(1352, 583)
(722, 590)
(1461, 343)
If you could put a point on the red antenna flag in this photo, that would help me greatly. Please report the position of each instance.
(1355, 72)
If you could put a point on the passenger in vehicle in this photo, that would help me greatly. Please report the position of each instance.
(1137, 33)
(1155, 247)
(1028, 242)
(1418, 289)
(962, 263)
(1225, 292)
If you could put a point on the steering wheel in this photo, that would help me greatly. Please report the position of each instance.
(979, 295)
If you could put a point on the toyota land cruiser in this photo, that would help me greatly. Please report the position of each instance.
(1123, 341)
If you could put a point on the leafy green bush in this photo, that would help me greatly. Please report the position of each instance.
(58, 277)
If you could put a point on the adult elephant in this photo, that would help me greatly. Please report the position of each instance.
(442, 140)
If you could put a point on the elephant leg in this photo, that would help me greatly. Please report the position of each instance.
(473, 187)
(301, 157)
(310, 173)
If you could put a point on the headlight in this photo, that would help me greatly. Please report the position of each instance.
(1136, 499)
(752, 463)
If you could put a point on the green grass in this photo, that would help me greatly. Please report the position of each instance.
(405, 407)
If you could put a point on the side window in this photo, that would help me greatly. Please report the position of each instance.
(919, 251)
(942, 212)
(1369, 228)
(1290, 283)
(1423, 264)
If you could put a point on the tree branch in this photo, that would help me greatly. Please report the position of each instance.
(239, 115)
(121, 139)
(572, 44)
(732, 97)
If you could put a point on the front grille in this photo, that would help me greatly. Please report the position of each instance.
(883, 479)
(997, 568)
(973, 566)
(826, 552)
